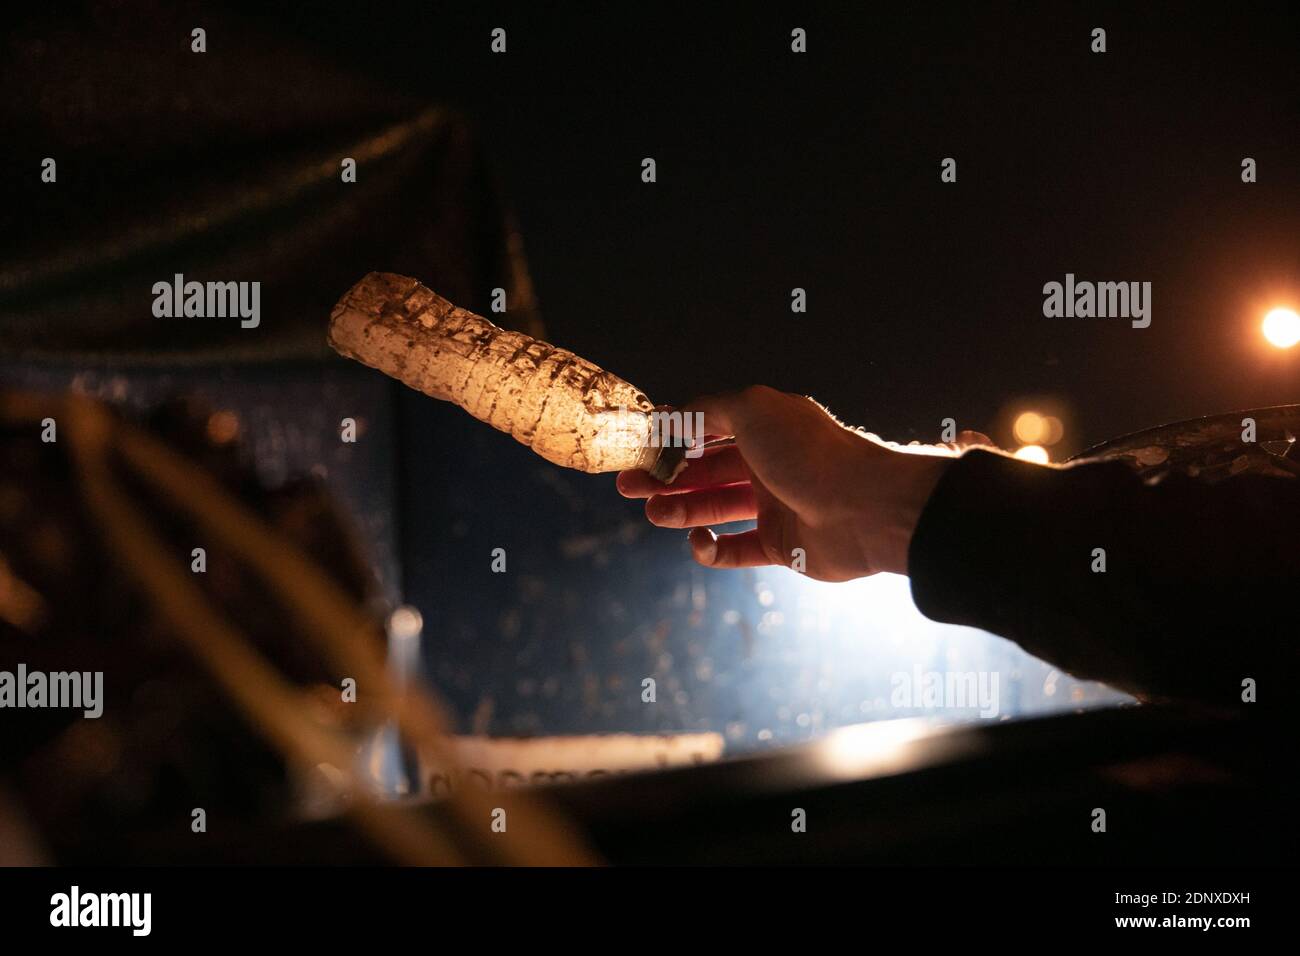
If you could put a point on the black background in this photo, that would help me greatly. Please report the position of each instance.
(978, 905)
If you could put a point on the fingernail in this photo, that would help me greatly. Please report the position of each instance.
(705, 545)
(666, 510)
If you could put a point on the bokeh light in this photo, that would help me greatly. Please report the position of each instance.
(1282, 328)
(1036, 428)
(1029, 427)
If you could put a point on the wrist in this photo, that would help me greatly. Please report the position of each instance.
(897, 507)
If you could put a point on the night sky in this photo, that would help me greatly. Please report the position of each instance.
(822, 171)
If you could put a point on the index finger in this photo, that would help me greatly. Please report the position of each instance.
(719, 413)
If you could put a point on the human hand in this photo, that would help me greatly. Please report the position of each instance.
(844, 501)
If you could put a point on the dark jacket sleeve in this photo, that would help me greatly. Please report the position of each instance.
(1201, 587)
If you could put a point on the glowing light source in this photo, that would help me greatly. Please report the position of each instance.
(1035, 453)
(1034, 428)
(1282, 328)
(405, 623)
(1029, 427)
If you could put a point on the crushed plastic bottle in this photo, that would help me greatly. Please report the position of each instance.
(566, 409)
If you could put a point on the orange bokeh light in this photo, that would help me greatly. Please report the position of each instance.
(1034, 428)
(1282, 328)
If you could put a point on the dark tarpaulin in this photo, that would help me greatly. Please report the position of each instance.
(223, 166)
